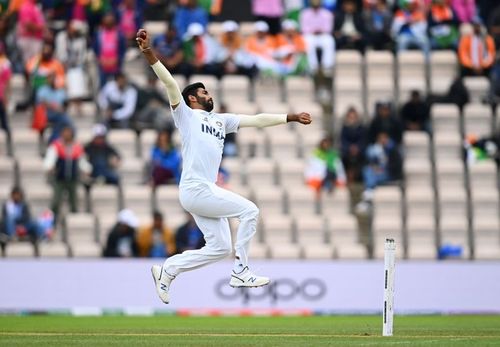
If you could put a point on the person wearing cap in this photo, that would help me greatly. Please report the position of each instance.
(262, 47)
(237, 59)
(476, 52)
(103, 157)
(291, 48)
(203, 133)
(187, 13)
(316, 24)
(203, 53)
(121, 242)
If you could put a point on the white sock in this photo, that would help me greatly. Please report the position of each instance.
(238, 266)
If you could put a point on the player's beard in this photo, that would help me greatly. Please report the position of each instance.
(207, 104)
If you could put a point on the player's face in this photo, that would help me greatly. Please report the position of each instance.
(205, 100)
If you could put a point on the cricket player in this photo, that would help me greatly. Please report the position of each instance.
(202, 132)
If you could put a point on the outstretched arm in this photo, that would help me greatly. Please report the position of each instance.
(173, 92)
(263, 120)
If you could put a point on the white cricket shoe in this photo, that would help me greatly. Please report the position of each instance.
(162, 282)
(247, 278)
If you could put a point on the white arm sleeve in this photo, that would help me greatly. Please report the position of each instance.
(262, 120)
(173, 92)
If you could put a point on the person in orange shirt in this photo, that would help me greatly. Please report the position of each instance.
(237, 59)
(156, 240)
(291, 48)
(262, 47)
(476, 52)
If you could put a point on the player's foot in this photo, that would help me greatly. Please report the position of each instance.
(247, 278)
(162, 282)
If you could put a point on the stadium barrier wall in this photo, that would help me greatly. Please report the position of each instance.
(307, 287)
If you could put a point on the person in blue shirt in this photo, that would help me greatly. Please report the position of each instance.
(165, 161)
(189, 236)
(169, 50)
(188, 14)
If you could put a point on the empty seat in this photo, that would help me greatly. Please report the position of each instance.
(82, 235)
(279, 231)
(380, 76)
(411, 71)
(282, 143)
(448, 145)
(443, 65)
(478, 120)
(167, 200)
(104, 199)
(418, 172)
(445, 117)
(291, 172)
(314, 236)
(348, 79)
(124, 141)
(261, 171)
(251, 143)
(8, 174)
(138, 199)
(132, 171)
(270, 200)
(345, 236)
(302, 200)
(26, 143)
(416, 145)
(478, 87)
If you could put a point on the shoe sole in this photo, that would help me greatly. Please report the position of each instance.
(262, 285)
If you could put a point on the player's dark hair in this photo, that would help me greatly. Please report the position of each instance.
(191, 90)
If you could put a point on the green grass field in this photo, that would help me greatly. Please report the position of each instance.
(247, 331)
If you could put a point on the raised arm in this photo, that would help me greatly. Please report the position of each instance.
(263, 120)
(173, 92)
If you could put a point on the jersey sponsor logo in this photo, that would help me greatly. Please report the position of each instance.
(205, 128)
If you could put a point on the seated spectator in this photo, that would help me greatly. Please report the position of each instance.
(121, 241)
(316, 24)
(71, 50)
(103, 157)
(465, 10)
(237, 59)
(291, 48)
(383, 165)
(350, 27)
(129, 20)
(109, 46)
(117, 101)
(5, 77)
(378, 20)
(482, 148)
(41, 66)
(443, 25)
(189, 236)
(262, 47)
(385, 122)
(156, 240)
(352, 135)
(202, 52)
(16, 220)
(476, 52)
(165, 161)
(325, 169)
(30, 28)
(409, 27)
(151, 110)
(187, 13)
(415, 114)
(53, 100)
(168, 48)
(63, 162)
(270, 12)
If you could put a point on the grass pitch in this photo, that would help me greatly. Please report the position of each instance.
(247, 331)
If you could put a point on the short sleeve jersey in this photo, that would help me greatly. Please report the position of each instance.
(202, 134)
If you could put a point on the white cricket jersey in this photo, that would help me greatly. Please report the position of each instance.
(202, 134)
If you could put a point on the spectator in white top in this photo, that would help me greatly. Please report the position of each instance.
(117, 101)
(317, 26)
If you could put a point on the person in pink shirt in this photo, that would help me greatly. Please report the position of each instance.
(5, 76)
(317, 24)
(465, 9)
(30, 30)
(269, 11)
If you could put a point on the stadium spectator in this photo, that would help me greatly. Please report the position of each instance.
(325, 169)
(30, 28)
(476, 52)
(384, 121)
(52, 99)
(187, 13)
(71, 50)
(203, 53)
(189, 236)
(316, 24)
(262, 47)
(121, 242)
(349, 27)
(494, 26)
(103, 157)
(5, 77)
(94, 13)
(169, 50)
(165, 161)
(63, 162)
(16, 220)
(415, 114)
(465, 10)
(109, 46)
(156, 240)
(378, 20)
(129, 19)
(293, 8)
(409, 27)
(237, 59)
(291, 48)
(151, 108)
(269, 11)
(117, 101)
(443, 25)
(353, 134)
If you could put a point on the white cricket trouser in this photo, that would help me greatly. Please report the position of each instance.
(326, 44)
(211, 206)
